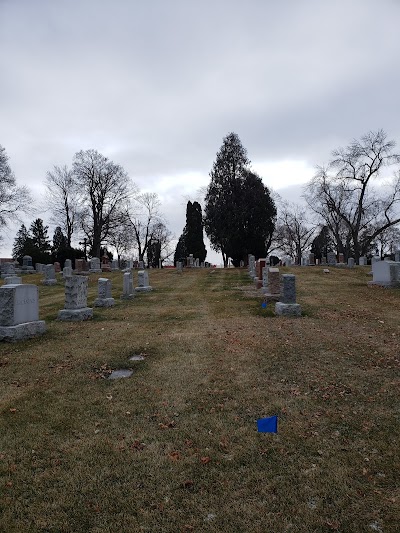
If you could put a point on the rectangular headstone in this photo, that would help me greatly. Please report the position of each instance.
(362, 261)
(19, 312)
(331, 258)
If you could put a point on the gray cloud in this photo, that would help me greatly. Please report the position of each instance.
(157, 85)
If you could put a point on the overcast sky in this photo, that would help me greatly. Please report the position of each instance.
(155, 85)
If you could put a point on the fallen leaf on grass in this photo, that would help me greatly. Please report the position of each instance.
(205, 460)
(174, 456)
(13, 410)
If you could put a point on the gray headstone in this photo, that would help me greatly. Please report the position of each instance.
(95, 265)
(127, 286)
(19, 312)
(12, 280)
(179, 266)
(397, 256)
(288, 290)
(386, 273)
(75, 308)
(104, 298)
(68, 263)
(143, 282)
(350, 262)
(49, 275)
(362, 261)
(331, 258)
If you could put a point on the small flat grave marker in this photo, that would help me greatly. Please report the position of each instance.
(121, 373)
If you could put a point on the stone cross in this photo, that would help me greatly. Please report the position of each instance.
(19, 312)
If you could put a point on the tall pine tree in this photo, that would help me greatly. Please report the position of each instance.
(240, 213)
(192, 241)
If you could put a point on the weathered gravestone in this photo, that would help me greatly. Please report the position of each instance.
(350, 262)
(114, 264)
(362, 261)
(12, 280)
(179, 266)
(331, 258)
(39, 267)
(95, 265)
(143, 282)
(75, 308)
(311, 259)
(79, 265)
(140, 265)
(287, 305)
(7, 269)
(273, 291)
(397, 256)
(341, 258)
(104, 298)
(27, 263)
(57, 266)
(19, 312)
(265, 277)
(67, 272)
(127, 286)
(49, 275)
(68, 263)
(386, 274)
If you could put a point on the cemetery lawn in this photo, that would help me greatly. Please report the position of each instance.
(175, 448)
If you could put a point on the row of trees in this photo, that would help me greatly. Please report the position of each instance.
(95, 201)
(97, 198)
(354, 206)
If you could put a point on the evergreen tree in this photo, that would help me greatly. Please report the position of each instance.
(40, 236)
(191, 241)
(22, 244)
(181, 252)
(240, 213)
(194, 231)
(322, 244)
(60, 249)
(222, 193)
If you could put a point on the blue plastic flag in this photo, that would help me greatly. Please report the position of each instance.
(264, 305)
(268, 425)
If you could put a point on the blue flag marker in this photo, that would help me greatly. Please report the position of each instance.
(264, 305)
(267, 425)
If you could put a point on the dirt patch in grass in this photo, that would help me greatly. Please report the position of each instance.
(175, 447)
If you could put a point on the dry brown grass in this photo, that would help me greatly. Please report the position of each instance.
(175, 448)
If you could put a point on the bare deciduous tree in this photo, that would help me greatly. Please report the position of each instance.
(62, 198)
(293, 234)
(344, 196)
(14, 200)
(104, 188)
(144, 215)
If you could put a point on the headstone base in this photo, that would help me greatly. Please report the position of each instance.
(12, 280)
(148, 288)
(104, 302)
(386, 284)
(75, 315)
(272, 297)
(49, 282)
(23, 331)
(282, 309)
(95, 270)
(127, 296)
